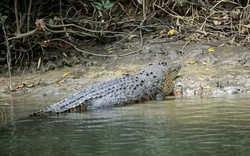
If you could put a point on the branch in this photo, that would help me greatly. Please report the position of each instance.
(23, 35)
(83, 51)
(17, 20)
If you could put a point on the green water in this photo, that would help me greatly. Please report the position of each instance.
(185, 126)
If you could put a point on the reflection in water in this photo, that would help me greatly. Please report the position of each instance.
(189, 126)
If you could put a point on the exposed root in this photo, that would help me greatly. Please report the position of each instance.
(117, 22)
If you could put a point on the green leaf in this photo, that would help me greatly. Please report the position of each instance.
(51, 22)
(103, 5)
(108, 5)
(3, 18)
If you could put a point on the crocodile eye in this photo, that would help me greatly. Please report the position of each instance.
(151, 73)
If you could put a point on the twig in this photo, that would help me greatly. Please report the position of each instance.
(141, 36)
(221, 2)
(205, 21)
(94, 54)
(144, 8)
(130, 33)
(22, 35)
(17, 20)
(77, 26)
(64, 28)
(71, 31)
(28, 18)
(130, 53)
(83, 51)
(176, 16)
(182, 49)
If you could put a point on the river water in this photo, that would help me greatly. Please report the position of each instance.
(183, 126)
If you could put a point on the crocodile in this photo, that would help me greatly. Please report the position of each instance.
(154, 80)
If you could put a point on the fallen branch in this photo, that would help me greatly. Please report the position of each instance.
(83, 51)
(94, 54)
(22, 35)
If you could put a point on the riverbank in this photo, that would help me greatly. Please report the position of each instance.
(216, 68)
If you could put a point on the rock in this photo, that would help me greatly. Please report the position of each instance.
(219, 91)
(234, 90)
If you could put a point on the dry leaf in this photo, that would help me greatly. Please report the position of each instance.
(171, 32)
(210, 49)
(216, 23)
(162, 32)
(65, 74)
(132, 36)
(206, 87)
(59, 81)
(192, 62)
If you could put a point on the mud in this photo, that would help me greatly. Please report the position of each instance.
(208, 69)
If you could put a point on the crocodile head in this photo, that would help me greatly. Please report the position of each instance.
(174, 68)
(160, 76)
(168, 85)
(161, 70)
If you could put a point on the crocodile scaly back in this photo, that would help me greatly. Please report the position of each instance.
(156, 78)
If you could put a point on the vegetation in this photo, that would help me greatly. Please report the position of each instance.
(31, 28)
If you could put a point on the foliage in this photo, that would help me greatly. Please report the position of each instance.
(104, 5)
(2, 20)
(52, 24)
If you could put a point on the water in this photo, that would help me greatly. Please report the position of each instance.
(189, 126)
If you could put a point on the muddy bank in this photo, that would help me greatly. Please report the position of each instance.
(207, 69)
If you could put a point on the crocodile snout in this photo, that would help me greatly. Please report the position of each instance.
(175, 67)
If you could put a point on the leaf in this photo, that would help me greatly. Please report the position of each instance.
(103, 5)
(203, 62)
(99, 7)
(110, 50)
(162, 32)
(30, 85)
(21, 85)
(59, 81)
(65, 74)
(171, 32)
(216, 23)
(108, 5)
(132, 36)
(192, 62)
(3, 18)
(206, 87)
(51, 22)
(47, 33)
(44, 43)
(210, 49)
